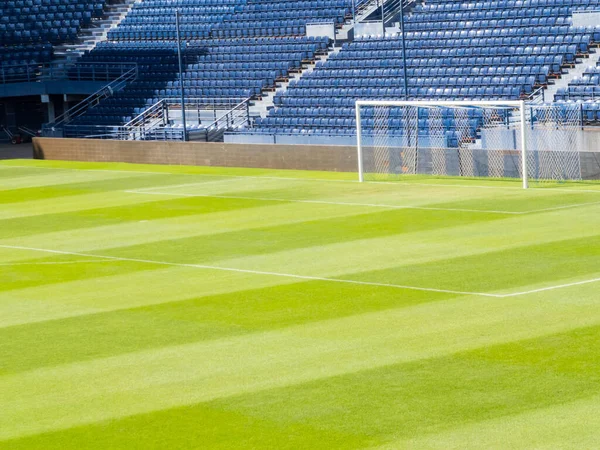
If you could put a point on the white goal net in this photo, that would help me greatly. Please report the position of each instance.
(495, 139)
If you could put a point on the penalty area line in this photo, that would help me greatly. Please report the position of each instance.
(254, 272)
(324, 202)
(152, 191)
(52, 263)
(267, 177)
(552, 288)
(300, 277)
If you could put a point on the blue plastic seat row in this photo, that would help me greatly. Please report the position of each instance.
(298, 30)
(498, 4)
(140, 11)
(581, 40)
(491, 23)
(510, 13)
(568, 51)
(305, 5)
(526, 83)
(575, 92)
(562, 30)
(383, 92)
(232, 74)
(327, 71)
(290, 15)
(166, 19)
(172, 4)
(586, 80)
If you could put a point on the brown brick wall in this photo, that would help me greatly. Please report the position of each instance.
(298, 157)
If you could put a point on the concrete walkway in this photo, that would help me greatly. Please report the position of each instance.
(22, 151)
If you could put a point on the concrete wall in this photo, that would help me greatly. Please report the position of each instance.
(586, 18)
(321, 29)
(298, 157)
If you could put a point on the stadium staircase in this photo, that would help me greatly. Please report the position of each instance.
(572, 74)
(508, 49)
(260, 108)
(221, 58)
(97, 31)
(299, 85)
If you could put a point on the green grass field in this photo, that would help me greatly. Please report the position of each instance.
(177, 307)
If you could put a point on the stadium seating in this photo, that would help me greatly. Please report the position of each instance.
(217, 64)
(236, 49)
(31, 21)
(586, 87)
(29, 28)
(481, 50)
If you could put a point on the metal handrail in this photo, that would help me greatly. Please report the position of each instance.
(133, 122)
(145, 122)
(390, 8)
(95, 98)
(80, 71)
(362, 6)
(28, 131)
(537, 96)
(151, 120)
(230, 118)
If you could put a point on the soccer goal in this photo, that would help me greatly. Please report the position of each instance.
(495, 139)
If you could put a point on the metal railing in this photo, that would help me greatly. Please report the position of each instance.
(391, 9)
(362, 6)
(93, 100)
(234, 118)
(158, 122)
(141, 126)
(538, 96)
(93, 71)
(22, 73)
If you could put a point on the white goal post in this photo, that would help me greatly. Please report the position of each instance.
(495, 139)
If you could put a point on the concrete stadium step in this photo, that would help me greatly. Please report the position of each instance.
(577, 71)
(260, 108)
(95, 32)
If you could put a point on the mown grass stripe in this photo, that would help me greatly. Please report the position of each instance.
(494, 271)
(188, 374)
(127, 354)
(102, 217)
(174, 321)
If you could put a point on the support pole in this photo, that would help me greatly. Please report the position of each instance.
(359, 144)
(402, 37)
(354, 13)
(416, 142)
(524, 146)
(382, 18)
(181, 76)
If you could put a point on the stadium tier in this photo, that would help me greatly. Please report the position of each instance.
(30, 21)
(243, 49)
(29, 28)
(480, 51)
(215, 68)
(217, 64)
(582, 88)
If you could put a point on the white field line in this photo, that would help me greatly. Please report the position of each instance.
(323, 202)
(387, 183)
(51, 263)
(551, 288)
(301, 277)
(256, 272)
(264, 177)
(173, 186)
(556, 208)
(372, 205)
